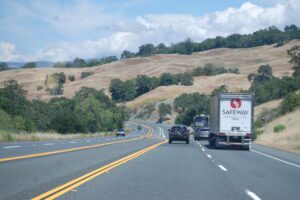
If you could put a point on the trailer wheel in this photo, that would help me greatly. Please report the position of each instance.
(211, 140)
(217, 140)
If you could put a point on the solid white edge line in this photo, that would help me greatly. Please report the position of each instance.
(222, 168)
(286, 162)
(10, 147)
(252, 195)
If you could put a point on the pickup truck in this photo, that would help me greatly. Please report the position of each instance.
(179, 133)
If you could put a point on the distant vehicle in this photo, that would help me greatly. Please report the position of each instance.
(201, 127)
(120, 132)
(231, 120)
(179, 133)
(139, 127)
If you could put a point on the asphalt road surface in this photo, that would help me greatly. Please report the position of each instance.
(143, 166)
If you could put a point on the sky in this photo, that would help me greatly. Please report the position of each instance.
(56, 30)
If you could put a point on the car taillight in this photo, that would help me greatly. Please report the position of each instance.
(249, 135)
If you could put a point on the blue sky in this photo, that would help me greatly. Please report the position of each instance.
(62, 30)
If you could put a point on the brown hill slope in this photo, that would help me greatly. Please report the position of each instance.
(288, 139)
(248, 60)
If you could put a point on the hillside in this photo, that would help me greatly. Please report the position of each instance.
(288, 139)
(248, 60)
(202, 84)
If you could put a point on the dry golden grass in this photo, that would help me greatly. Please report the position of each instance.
(248, 60)
(288, 139)
(49, 136)
(202, 84)
(269, 105)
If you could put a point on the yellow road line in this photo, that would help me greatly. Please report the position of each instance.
(68, 150)
(56, 192)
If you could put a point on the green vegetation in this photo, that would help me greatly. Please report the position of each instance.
(278, 128)
(267, 88)
(146, 111)
(86, 74)
(71, 78)
(3, 66)
(189, 105)
(29, 65)
(211, 70)
(267, 36)
(164, 110)
(131, 89)
(54, 83)
(89, 111)
(81, 63)
(290, 103)
(39, 88)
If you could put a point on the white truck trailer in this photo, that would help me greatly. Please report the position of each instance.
(231, 116)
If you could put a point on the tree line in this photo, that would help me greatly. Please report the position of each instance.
(130, 89)
(261, 37)
(89, 111)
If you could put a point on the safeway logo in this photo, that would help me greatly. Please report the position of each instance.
(235, 103)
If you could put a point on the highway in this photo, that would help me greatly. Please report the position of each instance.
(143, 166)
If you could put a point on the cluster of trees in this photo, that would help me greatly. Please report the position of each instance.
(54, 83)
(3, 66)
(267, 36)
(266, 87)
(29, 65)
(211, 70)
(189, 105)
(164, 109)
(89, 111)
(80, 63)
(131, 89)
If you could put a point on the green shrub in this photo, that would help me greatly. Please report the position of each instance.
(86, 74)
(39, 88)
(71, 78)
(278, 128)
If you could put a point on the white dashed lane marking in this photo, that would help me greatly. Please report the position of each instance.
(222, 168)
(252, 195)
(11, 147)
(48, 144)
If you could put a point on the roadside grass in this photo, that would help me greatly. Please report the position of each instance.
(9, 137)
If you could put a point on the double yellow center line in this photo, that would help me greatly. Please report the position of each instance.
(57, 192)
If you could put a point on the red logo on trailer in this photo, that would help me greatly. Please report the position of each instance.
(235, 103)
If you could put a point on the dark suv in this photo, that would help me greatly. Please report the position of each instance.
(179, 133)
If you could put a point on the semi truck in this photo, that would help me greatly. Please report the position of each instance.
(231, 120)
(201, 126)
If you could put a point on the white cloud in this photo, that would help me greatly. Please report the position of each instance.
(8, 52)
(85, 18)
